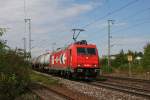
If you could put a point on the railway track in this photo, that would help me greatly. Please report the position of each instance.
(46, 93)
(127, 78)
(67, 92)
(123, 88)
(118, 84)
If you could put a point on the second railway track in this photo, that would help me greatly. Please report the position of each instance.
(136, 86)
(118, 86)
(127, 79)
(46, 93)
(126, 89)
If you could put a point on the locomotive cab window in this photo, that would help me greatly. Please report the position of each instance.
(81, 51)
(86, 51)
(91, 51)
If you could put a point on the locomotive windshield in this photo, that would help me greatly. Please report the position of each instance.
(91, 51)
(81, 51)
(86, 51)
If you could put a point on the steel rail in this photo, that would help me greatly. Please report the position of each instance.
(127, 78)
(126, 89)
(51, 90)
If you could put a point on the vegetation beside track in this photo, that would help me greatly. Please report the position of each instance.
(14, 74)
(42, 79)
(121, 65)
(28, 96)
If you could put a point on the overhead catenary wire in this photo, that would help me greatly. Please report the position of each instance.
(132, 15)
(110, 13)
(102, 29)
(115, 11)
(136, 13)
(133, 26)
(125, 18)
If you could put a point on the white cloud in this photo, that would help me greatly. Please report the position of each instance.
(128, 43)
(130, 40)
(50, 20)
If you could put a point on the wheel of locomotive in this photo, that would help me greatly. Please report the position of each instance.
(61, 73)
(68, 75)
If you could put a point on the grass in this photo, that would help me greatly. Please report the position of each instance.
(42, 79)
(37, 78)
(101, 78)
(28, 96)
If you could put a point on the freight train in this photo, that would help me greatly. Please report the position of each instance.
(78, 60)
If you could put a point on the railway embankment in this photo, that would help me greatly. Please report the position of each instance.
(49, 87)
(93, 92)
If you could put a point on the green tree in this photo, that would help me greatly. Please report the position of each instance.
(146, 57)
(2, 43)
(103, 61)
(120, 59)
(14, 73)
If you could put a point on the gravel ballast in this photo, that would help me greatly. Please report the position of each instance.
(99, 93)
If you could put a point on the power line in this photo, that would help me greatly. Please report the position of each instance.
(136, 13)
(110, 13)
(130, 16)
(102, 29)
(133, 26)
(123, 28)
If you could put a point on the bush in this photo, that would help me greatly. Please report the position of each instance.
(14, 75)
(146, 57)
(106, 69)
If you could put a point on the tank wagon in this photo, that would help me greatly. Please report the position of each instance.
(79, 60)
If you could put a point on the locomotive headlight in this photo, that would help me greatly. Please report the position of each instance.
(87, 65)
(95, 65)
(79, 65)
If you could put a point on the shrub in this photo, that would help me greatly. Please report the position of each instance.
(146, 57)
(14, 75)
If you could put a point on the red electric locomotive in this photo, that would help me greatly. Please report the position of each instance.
(79, 60)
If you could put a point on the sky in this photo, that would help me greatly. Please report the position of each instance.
(53, 20)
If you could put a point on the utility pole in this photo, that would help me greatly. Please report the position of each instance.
(24, 41)
(109, 24)
(29, 24)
